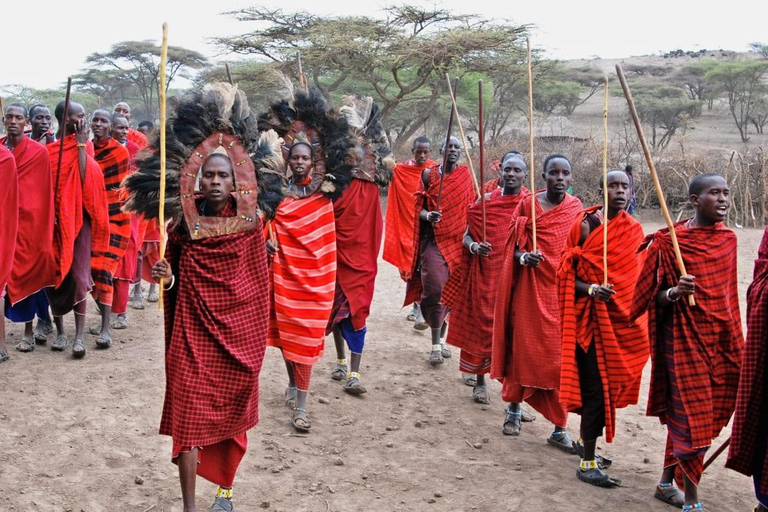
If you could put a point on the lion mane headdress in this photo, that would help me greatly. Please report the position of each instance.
(214, 119)
(364, 117)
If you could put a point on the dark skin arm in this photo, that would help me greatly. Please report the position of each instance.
(81, 134)
(161, 271)
(685, 287)
(435, 216)
(483, 248)
(532, 259)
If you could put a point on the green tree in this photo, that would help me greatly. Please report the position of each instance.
(665, 110)
(760, 48)
(742, 83)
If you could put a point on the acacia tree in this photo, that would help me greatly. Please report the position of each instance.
(402, 58)
(742, 83)
(665, 110)
(138, 62)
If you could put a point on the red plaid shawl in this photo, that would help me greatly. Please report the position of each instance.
(33, 264)
(398, 232)
(471, 290)
(216, 318)
(358, 240)
(458, 193)
(707, 337)
(749, 421)
(490, 186)
(9, 211)
(621, 344)
(137, 138)
(72, 198)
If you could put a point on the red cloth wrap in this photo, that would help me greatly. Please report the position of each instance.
(621, 344)
(216, 320)
(9, 208)
(303, 277)
(72, 198)
(458, 193)
(526, 333)
(399, 249)
(358, 239)
(707, 337)
(33, 264)
(490, 186)
(471, 290)
(217, 462)
(137, 138)
(750, 421)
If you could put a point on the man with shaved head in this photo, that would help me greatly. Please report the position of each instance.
(40, 122)
(81, 229)
(134, 136)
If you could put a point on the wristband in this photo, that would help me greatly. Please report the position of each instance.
(522, 259)
(173, 282)
(81, 145)
(592, 290)
(670, 299)
(475, 245)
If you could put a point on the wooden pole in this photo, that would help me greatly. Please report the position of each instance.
(302, 78)
(63, 132)
(654, 175)
(530, 143)
(605, 184)
(163, 119)
(481, 141)
(717, 453)
(229, 74)
(447, 141)
(461, 132)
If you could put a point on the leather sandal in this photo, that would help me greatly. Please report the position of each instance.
(670, 494)
(602, 462)
(60, 343)
(26, 345)
(222, 505)
(300, 420)
(562, 441)
(78, 349)
(595, 476)
(481, 395)
(513, 425)
(340, 372)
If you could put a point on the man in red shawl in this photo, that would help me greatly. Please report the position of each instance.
(442, 220)
(9, 207)
(496, 168)
(526, 337)
(604, 351)
(695, 350)
(471, 290)
(40, 122)
(748, 454)
(33, 268)
(134, 136)
(400, 222)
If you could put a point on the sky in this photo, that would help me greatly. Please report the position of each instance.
(564, 29)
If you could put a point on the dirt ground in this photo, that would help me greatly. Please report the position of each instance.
(82, 435)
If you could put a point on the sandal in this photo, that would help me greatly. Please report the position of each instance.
(4, 356)
(95, 330)
(103, 341)
(561, 441)
(138, 302)
(300, 420)
(512, 423)
(481, 395)
(120, 322)
(436, 357)
(602, 462)
(290, 396)
(41, 332)
(595, 476)
(420, 323)
(60, 343)
(469, 379)
(353, 386)
(695, 506)
(78, 349)
(26, 345)
(446, 352)
(222, 505)
(526, 416)
(153, 297)
(414, 313)
(339, 372)
(669, 493)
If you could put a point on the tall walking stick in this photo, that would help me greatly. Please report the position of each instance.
(717, 453)
(63, 131)
(530, 143)
(163, 119)
(654, 175)
(461, 132)
(445, 148)
(605, 184)
(481, 136)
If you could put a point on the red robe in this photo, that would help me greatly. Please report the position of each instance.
(471, 290)
(33, 265)
(526, 333)
(621, 344)
(73, 197)
(398, 231)
(9, 210)
(706, 340)
(750, 421)
(458, 193)
(137, 138)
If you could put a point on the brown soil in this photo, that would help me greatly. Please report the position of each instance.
(82, 435)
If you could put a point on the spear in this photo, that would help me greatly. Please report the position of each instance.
(530, 142)
(461, 132)
(605, 184)
(229, 74)
(63, 130)
(445, 148)
(654, 175)
(163, 118)
(302, 77)
(481, 137)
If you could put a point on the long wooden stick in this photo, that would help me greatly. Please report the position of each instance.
(461, 132)
(229, 74)
(63, 134)
(605, 184)
(481, 142)
(163, 118)
(530, 142)
(654, 175)
(303, 83)
(445, 145)
(717, 453)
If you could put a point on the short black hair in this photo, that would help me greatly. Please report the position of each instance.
(117, 116)
(17, 105)
(34, 107)
(624, 170)
(697, 184)
(422, 139)
(148, 124)
(301, 143)
(58, 112)
(508, 153)
(554, 156)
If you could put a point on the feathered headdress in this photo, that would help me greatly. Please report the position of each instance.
(309, 119)
(364, 117)
(216, 119)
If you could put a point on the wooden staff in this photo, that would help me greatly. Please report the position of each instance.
(445, 147)
(605, 184)
(481, 137)
(717, 453)
(303, 83)
(530, 142)
(163, 118)
(229, 74)
(63, 130)
(654, 175)
(461, 132)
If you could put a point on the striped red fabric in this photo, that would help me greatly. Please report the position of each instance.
(303, 277)
(621, 344)
(750, 421)
(707, 337)
(9, 208)
(490, 186)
